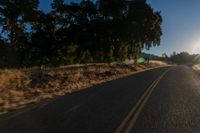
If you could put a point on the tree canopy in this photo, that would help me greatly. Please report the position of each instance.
(100, 31)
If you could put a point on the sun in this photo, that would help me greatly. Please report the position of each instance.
(196, 48)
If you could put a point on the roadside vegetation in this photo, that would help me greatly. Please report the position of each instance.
(41, 53)
(20, 87)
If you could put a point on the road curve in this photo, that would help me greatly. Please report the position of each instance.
(172, 107)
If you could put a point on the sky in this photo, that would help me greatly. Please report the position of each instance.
(181, 24)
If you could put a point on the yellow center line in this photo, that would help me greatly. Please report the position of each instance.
(129, 121)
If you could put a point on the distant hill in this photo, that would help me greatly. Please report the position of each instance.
(151, 56)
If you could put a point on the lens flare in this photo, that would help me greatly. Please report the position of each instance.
(196, 48)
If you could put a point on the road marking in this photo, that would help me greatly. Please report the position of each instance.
(129, 121)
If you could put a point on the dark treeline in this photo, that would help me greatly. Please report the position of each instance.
(182, 58)
(100, 31)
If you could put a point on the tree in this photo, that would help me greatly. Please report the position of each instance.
(182, 58)
(14, 15)
(89, 31)
(57, 5)
(143, 25)
(43, 45)
(164, 55)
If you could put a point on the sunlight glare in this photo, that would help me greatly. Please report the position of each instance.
(196, 48)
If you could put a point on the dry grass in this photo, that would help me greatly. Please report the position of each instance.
(156, 62)
(19, 87)
(196, 67)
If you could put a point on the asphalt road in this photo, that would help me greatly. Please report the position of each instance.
(163, 100)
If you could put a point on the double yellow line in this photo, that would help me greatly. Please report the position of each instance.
(127, 124)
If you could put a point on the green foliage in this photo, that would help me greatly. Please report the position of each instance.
(101, 31)
(85, 57)
(67, 55)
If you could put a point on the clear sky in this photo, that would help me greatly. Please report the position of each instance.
(181, 24)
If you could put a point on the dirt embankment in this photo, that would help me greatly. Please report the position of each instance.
(19, 87)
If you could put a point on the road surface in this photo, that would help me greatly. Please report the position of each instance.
(162, 100)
